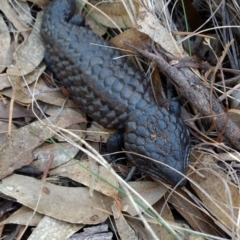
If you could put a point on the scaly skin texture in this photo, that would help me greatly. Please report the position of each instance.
(114, 93)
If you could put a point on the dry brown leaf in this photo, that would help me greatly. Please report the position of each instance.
(21, 95)
(4, 132)
(124, 230)
(18, 111)
(71, 204)
(140, 229)
(116, 13)
(234, 100)
(24, 12)
(22, 216)
(96, 28)
(5, 80)
(75, 172)
(17, 151)
(159, 230)
(55, 98)
(162, 207)
(34, 75)
(41, 92)
(165, 212)
(133, 36)
(94, 166)
(97, 133)
(150, 191)
(78, 129)
(53, 110)
(234, 114)
(50, 228)
(30, 53)
(162, 233)
(4, 44)
(46, 151)
(99, 232)
(150, 25)
(195, 218)
(11, 15)
(218, 195)
(158, 86)
(37, 2)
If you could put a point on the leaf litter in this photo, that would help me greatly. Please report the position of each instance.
(52, 228)
(4, 44)
(22, 215)
(209, 204)
(63, 203)
(17, 151)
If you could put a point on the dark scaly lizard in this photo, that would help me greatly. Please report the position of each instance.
(114, 93)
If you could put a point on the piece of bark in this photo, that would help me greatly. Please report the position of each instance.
(190, 86)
